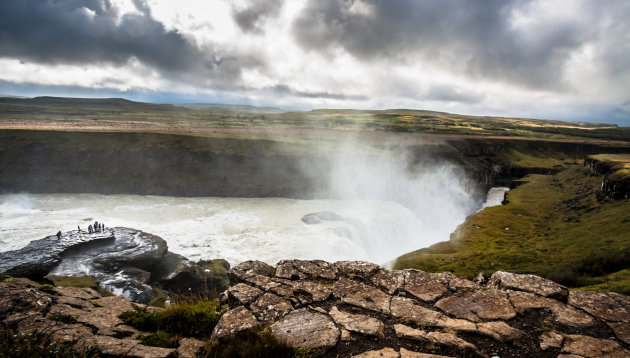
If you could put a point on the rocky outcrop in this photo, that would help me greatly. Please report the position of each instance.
(616, 182)
(359, 309)
(81, 317)
(125, 261)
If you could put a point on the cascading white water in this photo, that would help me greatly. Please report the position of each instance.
(385, 209)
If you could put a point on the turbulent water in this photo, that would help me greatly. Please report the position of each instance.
(236, 229)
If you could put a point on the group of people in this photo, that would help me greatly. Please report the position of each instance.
(97, 227)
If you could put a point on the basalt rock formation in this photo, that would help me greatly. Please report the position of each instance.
(352, 309)
(359, 309)
(125, 261)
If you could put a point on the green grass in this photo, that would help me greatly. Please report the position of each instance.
(159, 339)
(196, 319)
(256, 342)
(553, 226)
(79, 281)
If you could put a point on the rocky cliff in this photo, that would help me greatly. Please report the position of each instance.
(616, 171)
(355, 309)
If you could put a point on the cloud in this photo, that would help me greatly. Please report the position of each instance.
(286, 90)
(93, 31)
(526, 43)
(249, 18)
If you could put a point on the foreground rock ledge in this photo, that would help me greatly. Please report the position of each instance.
(349, 309)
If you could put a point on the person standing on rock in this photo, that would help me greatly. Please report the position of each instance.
(78, 228)
(59, 235)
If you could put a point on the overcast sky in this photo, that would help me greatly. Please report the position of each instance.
(550, 59)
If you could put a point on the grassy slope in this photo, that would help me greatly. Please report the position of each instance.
(550, 227)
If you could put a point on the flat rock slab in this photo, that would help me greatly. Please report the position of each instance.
(622, 330)
(426, 286)
(444, 339)
(586, 346)
(549, 340)
(110, 346)
(234, 321)
(243, 294)
(499, 330)
(562, 313)
(408, 309)
(316, 291)
(478, 305)
(357, 323)
(305, 329)
(360, 268)
(315, 269)
(529, 283)
(411, 354)
(189, 347)
(608, 306)
(361, 295)
(269, 308)
(381, 353)
(252, 267)
(391, 281)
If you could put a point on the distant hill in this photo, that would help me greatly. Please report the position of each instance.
(242, 108)
(119, 104)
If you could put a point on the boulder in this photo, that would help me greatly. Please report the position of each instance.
(478, 305)
(242, 294)
(248, 268)
(305, 329)
(189, 348)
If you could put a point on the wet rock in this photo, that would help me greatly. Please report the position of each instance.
(478, 305)
(561, 312)
(361, 295)
(236, 320)
(268, 308)
(609, 306)
(529, 283)
(408, 309)
(550, 340)
(305, 329)
(317, 218)
(593, 347)
(426, 286)
(391, 281)
(499, 330)
(360, 268)
(357, 323)
(381, 353)
(444, 339)
(189, 348)
(243, 294)
(30, 271)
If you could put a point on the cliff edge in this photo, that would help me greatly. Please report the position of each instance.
(352, 309)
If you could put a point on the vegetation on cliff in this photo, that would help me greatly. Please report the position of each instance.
(557, 226)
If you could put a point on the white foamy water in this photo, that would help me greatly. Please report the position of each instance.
(237, 229)
(495, 196)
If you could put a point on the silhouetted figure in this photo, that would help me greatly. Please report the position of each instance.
(78, 228)
(90, 228)
(59, 234)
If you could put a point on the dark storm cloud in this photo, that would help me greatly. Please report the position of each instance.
(90, 31)
(249, 19)
(478, 38)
